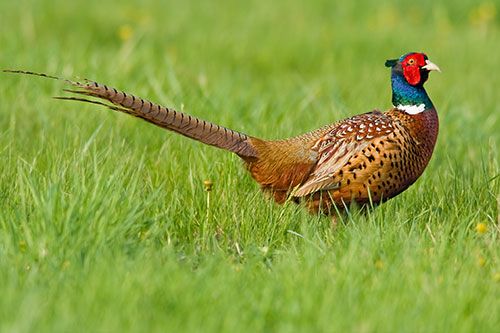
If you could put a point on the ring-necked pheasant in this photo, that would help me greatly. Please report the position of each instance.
(370, 157)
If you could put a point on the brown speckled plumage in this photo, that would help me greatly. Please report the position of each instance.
(366, 158)
(373, 156)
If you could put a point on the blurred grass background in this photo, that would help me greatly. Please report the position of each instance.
(104, 224)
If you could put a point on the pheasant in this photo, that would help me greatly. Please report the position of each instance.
(368, 158)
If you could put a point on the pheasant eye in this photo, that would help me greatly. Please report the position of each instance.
(411, 61)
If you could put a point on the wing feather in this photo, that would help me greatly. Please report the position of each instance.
(338, 147)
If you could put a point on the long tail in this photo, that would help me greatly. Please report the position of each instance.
(164, 117)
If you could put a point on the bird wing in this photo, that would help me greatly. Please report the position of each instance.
(339, 145)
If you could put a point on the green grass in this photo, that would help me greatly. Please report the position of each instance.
(104, 222)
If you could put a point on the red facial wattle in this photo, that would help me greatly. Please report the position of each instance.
(411, 67)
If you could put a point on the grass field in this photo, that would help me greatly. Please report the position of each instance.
(104, 222)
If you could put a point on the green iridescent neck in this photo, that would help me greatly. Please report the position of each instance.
(405, 94)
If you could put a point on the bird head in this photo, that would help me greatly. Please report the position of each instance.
(414, 67)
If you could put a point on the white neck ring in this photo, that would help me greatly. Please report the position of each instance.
(412, 109)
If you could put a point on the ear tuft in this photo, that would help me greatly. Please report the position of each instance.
(391, 62)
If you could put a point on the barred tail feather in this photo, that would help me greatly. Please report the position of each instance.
(161, 116)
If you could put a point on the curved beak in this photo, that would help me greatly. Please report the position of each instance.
(430, 66)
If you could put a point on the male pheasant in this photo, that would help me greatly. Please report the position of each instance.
(367, 158)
